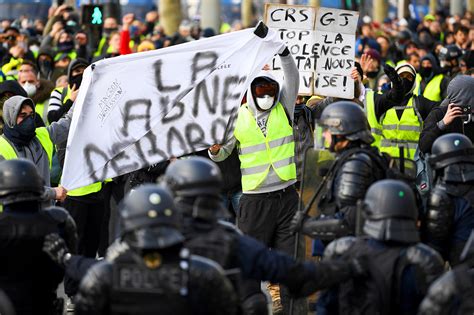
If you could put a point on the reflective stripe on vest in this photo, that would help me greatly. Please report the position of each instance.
(432, 90)
(86, 190)
(9, 153)
(375, 126)
(401, 132)
(258, 152)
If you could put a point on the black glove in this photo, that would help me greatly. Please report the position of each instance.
(56, 248)
(359, 266)
(297, 221)
(261, 30)
(285, 52)
(392, 74)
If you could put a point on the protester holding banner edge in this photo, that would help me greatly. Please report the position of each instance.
(23, 139)
(268, 190)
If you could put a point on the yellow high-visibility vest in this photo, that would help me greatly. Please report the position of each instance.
(432, 89)
(72, 55)
(86, 190)
(404, 132)
(9, 153)
(375, 126)
(42, 110)
(259, 152)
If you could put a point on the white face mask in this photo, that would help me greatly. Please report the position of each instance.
(266, 102)
(30, 88)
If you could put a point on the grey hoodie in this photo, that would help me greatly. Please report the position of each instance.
(287, 97)
(34, 152)
(460, 91)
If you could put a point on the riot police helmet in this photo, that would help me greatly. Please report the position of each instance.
(19, 181)
(450, 149)
(450, 52)
(196, 183)
(149, 218)
(193, 176)
(347, 119)
(390, 212)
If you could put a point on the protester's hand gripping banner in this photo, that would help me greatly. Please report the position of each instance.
(322, 41)
(136, 110)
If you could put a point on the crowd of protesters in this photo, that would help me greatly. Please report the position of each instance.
(412, 74)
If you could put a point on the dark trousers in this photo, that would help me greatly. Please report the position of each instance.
(88, 213)
(267, 217)
(113, 193)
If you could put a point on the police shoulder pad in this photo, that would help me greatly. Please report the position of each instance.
(426, 258)
(58, 214)
(202, 263)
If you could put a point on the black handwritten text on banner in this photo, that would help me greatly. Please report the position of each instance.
(295, 25)
(335, 41)
(136, 110)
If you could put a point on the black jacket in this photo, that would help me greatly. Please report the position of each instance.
(27, 275)
(383, 102)
(431, 130)
(230, 169)
(106, 289)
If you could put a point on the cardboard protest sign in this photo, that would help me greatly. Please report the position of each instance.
(295, 25)
(322, 42)
(335, 42)
(136, 110)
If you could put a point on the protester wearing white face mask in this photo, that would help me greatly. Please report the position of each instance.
(264, 135)
(30, 88)
(38, 90)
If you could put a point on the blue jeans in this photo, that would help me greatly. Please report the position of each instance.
(234, 200)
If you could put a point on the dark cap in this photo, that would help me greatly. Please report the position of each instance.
(13, 87)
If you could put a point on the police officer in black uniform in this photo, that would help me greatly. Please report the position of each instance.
(400, 268)
(449, 218)
(151, 272)
(357, 166)
(453, 293)
(27, 275)
(253, 260)
(196, 183)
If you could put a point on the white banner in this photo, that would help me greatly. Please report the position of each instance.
(136, 110)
